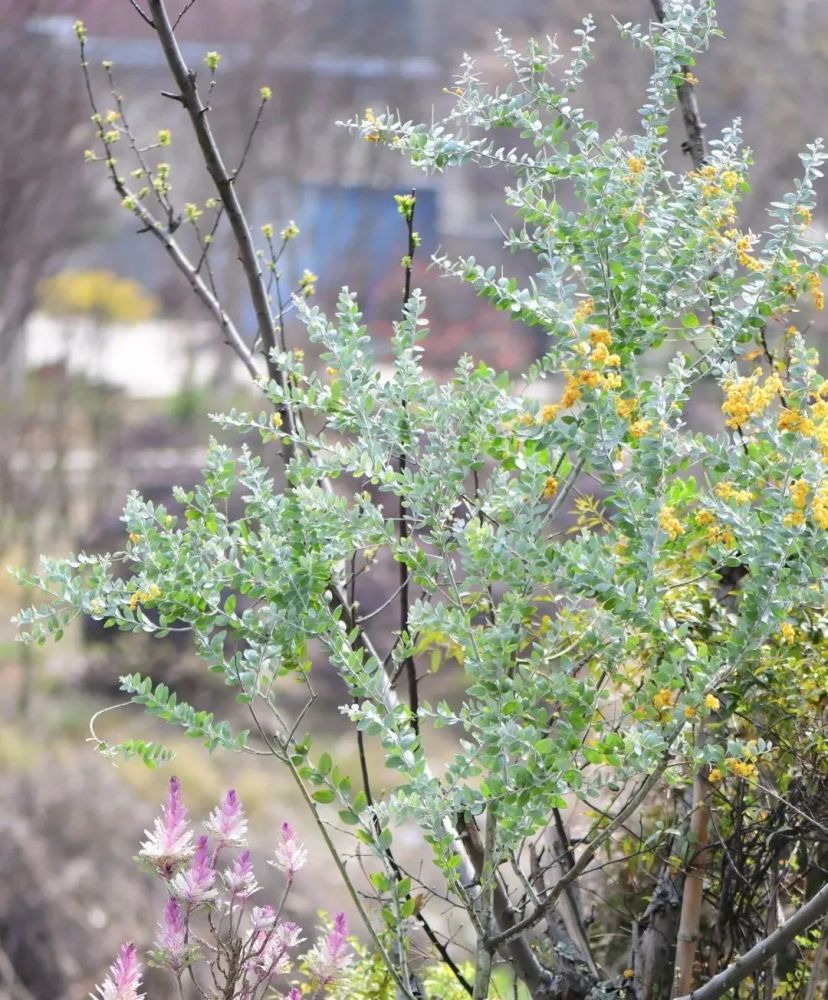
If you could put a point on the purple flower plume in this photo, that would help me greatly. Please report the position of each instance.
(290, 855)
(172, 937)
(169, 846)
(239, 877)
(194, 885)
(124, 979)
(331, 956)
(227, 821)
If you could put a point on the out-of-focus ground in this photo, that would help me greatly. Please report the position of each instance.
(105, 384)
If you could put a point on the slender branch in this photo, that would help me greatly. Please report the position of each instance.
(179, 258)
(485, 905)
(587, 854)
(142, 13)
(403, 527)
(693, 125)
(693, 893)
(185, 79)
(765, 950)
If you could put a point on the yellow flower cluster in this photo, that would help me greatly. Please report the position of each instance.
(730, 179)
(635, 166)
(584, 311)
(815, 288)
(727, 491)
(799, 491)
(787, 633)
(716, 534)
(742, 245)
(819, 508)
(742, 768)
(372, 133)
(550, 488)
(152, 593)
(748, 397)
(712, 702)
(668, 522)
(663, 699)
(626, 407)
(791, 419)
(639, 428)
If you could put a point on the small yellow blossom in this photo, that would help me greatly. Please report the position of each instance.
(815, 288)
(730, 179)
(635, 165)
(704, 518)
(742, 768)
(668, 522)
(715, 775)
(712, 702)
(134, 537)
(589, 378)
(689, 712)
(626, 407)
(212, 59)
(663, 699)
(727, 491)
(372, 134)
(163, 137)
(276, 420)
(550, 488)
(819, 508)
(747, 397)
(598, 335)
(804, 214)
(639, 428)
(628, 974)
(265, 93)
(549, 412)
(599, 354)
(572, 393)
(788, 633)
(291, 231)
(691, 78)
(307, 283)
(584, 311)
(613, 380)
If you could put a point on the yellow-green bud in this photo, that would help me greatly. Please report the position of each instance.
(213, 59)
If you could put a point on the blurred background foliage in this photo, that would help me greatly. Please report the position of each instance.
(108, 368)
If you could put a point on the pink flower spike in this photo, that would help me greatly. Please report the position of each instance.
(169, 846)
(194, 885)
(262, 918)
(172, 937)
(331, 956)
(227, 821)
(239, 877)
(290, 855)
(124, 979)
(294, 993)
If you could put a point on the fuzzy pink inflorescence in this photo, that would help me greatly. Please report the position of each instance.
(169, 846)
(227, 821)
(124, 979)
(290, 855)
